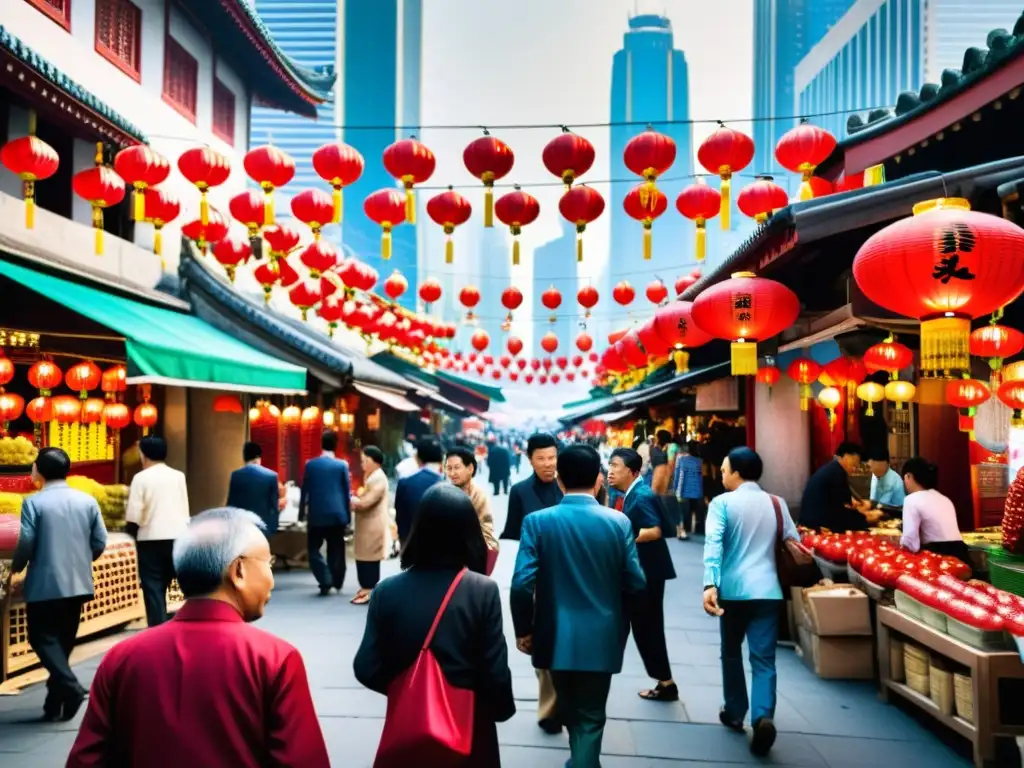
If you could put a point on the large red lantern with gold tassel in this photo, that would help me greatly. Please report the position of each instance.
(205, 168)
(699, 202)
(645, 204)
(568, 156)
(102, 188)
(581, 205)
(116, 416)
(762, 198)
(162, 207)
(230, 253)
(314, 208)
(889, 356)
(649, 155)
(804, 371)
(944, 266)
(249, 209)
(271, 168)
(339, 165)
(996, 343)
(386, 208)
(449, 210)
(142, 167)
(30, 159)
(306, 294)
(489, 159)
(213, 231)
(1012, 395)
(411, 162)
(801, 150)
(515, 210)
(674, 324)
(745, 309)
(274, 272)
(45, 376)
(967, 395)
(723, 153)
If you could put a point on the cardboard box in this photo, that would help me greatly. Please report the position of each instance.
(797, 602)
(837, 611)
(838, 658)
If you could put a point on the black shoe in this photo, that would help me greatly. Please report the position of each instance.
(764, 737)
(71, 706)
(550, 725)
(728, 722)
(661, 693)
(325, 591)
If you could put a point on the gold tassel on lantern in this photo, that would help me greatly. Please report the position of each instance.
(744, 358)
(204, 207)
(268, 205)
(410, 201)
(806, 393)
(28, 191)
(516, 230)
(702, 239)
(682, 360)
(648, 246)
(385, 242)
(806, 193)
(139, 203)
(449, 245)
(874, 176)
(945, 346)
(579, 244)
(488, 200)
(97, 223)
(339, 205)
(726, 191)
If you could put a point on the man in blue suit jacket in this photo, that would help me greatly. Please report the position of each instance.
(325, 504)
(255, 488)
(576, 561)
(411, 489)
(651, 527)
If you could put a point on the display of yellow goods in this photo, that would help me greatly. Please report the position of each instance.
(90, 486)
(10, 504)
(17, 452)
(82, 442)
(115, 506)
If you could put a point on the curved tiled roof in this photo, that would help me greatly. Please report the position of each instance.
(1002, 46)
(58, 79)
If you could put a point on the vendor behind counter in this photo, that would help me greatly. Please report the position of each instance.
(827, 500)
(929, 517)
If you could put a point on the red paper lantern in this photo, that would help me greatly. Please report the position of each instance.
(142, 167)
(614, 336)
(888, 356)
(568, 156)
(630, 350)
(162, 207)
(577, 360)
(515, 210)
(944, 266)
(581, 205)
(542, 379)
(331, 311)
(339, 165)
(996, 342)
(114, 380)
(849, 183)
(967, 395)
(674, 323)
(214, 230)
(745, 309)
(387, 209)
(145, 417)
(319, 257)
(699, 202)
(489, 159)
(314, 208)
(306, 294)
(651, 341)
(645, 204)
(409, 161)
(1012, 395)
(535, 364)
(249, 208)
(101, 187)
(480, 340)
(395, 285)
(549, 342)
(656, 292)
(40, 410)
(584, 342)
(92, 410)
(45, 376)
(819, 187)
(684, 282)
(30, 159)
(276, 272)
(496, 375)
(205, 168)
(723, 153)
(271, 168)
(514, 345)
(623, 293)
(230, 252)
(282, 240)
(804, 371)
(802, 149)
(551, 298)
(448, 210)
(430, 290)
(547, 363)
(6, 370)
(83, 377)
(587, 296)
(66, 409)
(835, 373)
(649, 155)
(11, 408)
(511, 299)
(529, 378)
(570, 377)
(555, 378)
(469, 297)
(769, 375)
(760, 199)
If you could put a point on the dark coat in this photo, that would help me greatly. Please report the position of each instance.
(825, 499)
(326, 492)
(255, 488)
(408, 494)
(469, 645)
(499, 463)
(523, 499)
(644, 510)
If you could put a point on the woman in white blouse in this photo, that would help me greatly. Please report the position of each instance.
(929, 518)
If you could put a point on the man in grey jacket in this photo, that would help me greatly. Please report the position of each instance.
(62, 533)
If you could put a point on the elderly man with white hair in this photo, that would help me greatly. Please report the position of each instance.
(206, 689)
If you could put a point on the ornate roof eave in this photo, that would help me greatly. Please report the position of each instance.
(51, 91)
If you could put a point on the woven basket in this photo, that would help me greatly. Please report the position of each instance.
(919, 683)
(897, 667)
(963, 697)
(916, 661)
(940, 683)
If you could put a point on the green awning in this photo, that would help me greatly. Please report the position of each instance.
(167, 347)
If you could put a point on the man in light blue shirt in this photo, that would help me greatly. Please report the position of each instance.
(887, 491)
(741, 587)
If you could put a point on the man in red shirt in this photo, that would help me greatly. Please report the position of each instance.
(206, 689)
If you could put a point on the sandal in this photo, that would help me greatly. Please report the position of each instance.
(661, 693)
(361, 598)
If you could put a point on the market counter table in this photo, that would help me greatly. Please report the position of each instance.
(989, 669)
(117, 601)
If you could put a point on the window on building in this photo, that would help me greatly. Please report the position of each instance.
(58, 10)
(181, 78)
(118, 31)
(223, 112)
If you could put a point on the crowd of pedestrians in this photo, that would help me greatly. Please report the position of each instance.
(592, 565)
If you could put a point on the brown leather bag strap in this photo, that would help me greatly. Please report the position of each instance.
(440, 611)
(778, 516)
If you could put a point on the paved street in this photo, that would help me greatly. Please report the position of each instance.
(839, 725)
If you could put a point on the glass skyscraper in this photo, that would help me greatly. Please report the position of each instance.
(376, 46)
(554, 264)
(881, 48)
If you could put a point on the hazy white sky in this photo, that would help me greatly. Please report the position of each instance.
(549, 61)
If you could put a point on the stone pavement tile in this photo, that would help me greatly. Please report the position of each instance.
(695, 655)
(624, 703)
(863, 718)
(25, 738)
(687, 674)
(709, 742)
(702, 637)
(342, 702)
(351, 742)
(859, 752)
(703, 703)
(522, 730)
